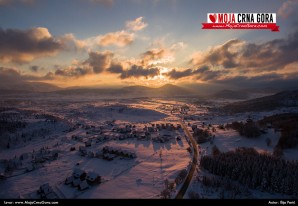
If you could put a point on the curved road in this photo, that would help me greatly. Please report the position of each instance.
(187, 181)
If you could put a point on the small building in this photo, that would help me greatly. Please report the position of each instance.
(29, 168)
(83, 185)
(83, 150)
(91, 154)
(193, 127)
(77, 137)
(76, 182)
(69, 180)
(78, 173)
(98, 154)
(93, 178)
(150, 129)
(88, 143)
(45, 190)
(108, 156)
(178, 138)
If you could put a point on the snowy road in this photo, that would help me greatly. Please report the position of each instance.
(187, 181)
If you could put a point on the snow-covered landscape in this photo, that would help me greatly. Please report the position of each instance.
(125, 148)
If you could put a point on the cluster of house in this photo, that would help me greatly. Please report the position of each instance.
(45, 191)
(88, 140)
(44, 155)
(109, 153)
(83, 180)
(123, 132)
(162, 139)
(30, 161)
(201, 135)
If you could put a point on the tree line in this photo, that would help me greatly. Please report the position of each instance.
(257, 171)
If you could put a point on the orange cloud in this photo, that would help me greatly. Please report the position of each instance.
(136, 25)
(120, 38)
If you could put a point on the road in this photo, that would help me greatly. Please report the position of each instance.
(187, 181)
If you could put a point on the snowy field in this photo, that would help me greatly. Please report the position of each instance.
(159, 156)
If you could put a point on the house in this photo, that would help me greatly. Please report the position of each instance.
(150, 129)
(83, 150)
(178, 138)
(98, 154)
(269, 125)
(29, 168)
(78, 173)
(91, 154)
(44, 190)
(76, 182)
(193, 127)
(131, 155)
(88, 143)
(93, 178)
(122, 137)
(69, 180)
(106, 149)
(76, 137)
(108, 157)
(83, 185)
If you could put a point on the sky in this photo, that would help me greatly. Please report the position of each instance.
(144, 42)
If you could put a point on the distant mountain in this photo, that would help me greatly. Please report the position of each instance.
(130, 91)
(27, 87)
(267, 103)
(229, 94)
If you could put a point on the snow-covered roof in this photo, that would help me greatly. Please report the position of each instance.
(78, 172)
(76, 182)
(83, 185)
(91, 176)
(69, 180)
(46, 189)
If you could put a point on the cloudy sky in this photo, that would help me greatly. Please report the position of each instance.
(144, 42)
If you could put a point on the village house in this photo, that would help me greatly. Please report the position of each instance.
(83, 185)
(76, 182)
(69, 180)
(88, 143)
(29, 168)
(93, 178)
(91, 154)
(46, 191)
(83, 151)
(78, 173)
(77, 138)
(150, 129)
